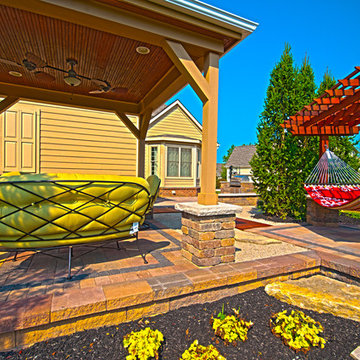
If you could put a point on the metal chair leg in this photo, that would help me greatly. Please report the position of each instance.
(69, 268)
(15, 256)
(137, 244)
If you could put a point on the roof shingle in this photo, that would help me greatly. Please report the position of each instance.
(241, 156)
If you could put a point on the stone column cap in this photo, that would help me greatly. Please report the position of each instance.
(196, 209)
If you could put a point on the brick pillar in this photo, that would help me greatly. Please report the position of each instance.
(208, 233)
(320, 215)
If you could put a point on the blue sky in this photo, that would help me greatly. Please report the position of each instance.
(326, 31)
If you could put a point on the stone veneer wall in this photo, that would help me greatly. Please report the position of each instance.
(320, 215)
(247, 199)
(208, 240)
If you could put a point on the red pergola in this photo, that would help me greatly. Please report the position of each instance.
(336, 112)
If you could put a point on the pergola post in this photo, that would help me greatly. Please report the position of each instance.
(323, 144)
(208, 194)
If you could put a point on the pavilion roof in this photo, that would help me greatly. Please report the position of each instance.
(336, 112)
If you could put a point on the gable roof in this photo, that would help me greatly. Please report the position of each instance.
(241, 156)
(164, 111)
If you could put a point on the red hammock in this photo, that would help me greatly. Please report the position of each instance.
(334, 184)
(333, 196)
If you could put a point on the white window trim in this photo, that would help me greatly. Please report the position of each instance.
(166, 163)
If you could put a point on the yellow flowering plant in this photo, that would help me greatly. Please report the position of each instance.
(200, 352)
(143, 344)
(297, 330)
(230, 328)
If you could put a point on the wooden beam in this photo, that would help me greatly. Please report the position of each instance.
(350, 82)
(68, 99)
(188, 68)
(144, 122)
(325, 130)
(7, 103)
(128, 123)
(333, 109)
(161, 88)
(114, 20)
(171, 83)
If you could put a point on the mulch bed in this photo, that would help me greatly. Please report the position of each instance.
(244, 224)
(181, 327)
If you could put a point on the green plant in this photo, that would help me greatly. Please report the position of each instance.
(200, 352)
(352, 214)
(297, 330)
(230, 328)
(143, 344)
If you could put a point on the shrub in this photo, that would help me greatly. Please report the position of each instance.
(297, 330)
(200, 352)
(143, 344)
(230, 328)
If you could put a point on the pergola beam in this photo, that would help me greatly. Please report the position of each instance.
(7, 103)
(324, 130)
(67, 99)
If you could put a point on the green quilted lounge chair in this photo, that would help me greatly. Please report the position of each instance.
(39, 211)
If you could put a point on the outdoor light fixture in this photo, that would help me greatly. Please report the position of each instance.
(72, 79)
(15, 73)
(143, 50)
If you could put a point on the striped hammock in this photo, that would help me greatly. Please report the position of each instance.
(334, 184)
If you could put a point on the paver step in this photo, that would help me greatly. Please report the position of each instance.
(321, 294)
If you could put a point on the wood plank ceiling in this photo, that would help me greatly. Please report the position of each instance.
(99, 55)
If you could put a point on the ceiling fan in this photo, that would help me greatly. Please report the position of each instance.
(35, 64)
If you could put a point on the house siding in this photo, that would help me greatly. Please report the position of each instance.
(175, 123)
(81, 141)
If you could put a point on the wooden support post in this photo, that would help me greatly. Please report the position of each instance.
(144, 121)
(323, 144)
(207, 195)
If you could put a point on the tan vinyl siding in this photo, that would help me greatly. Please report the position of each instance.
(179, 182)
(175, 123)
(83, 141)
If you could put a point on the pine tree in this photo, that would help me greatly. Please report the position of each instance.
(270, 163)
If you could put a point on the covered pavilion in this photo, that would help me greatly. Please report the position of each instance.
(125, 57)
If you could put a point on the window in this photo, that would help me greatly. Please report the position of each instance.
(154, 160)
(179, 161)
(198, 163)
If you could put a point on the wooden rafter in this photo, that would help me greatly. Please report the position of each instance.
(336, 112)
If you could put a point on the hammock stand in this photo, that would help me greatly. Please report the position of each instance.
(334, 184)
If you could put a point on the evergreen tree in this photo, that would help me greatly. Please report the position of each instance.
(303, 150)
(270, 163)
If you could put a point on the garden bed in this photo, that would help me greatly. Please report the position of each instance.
(181, 327)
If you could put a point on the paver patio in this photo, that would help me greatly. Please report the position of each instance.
(111, 286)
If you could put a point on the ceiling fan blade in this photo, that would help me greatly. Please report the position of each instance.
(41, 75)
(37, 60)
(10, 62)
(120, 90)
(99, 82)
(97, 91)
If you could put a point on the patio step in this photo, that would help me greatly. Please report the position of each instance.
(321, 294)
(39, 318)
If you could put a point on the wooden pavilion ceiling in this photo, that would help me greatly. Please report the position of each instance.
(100, 55)
(227, 41)
(336, 112)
